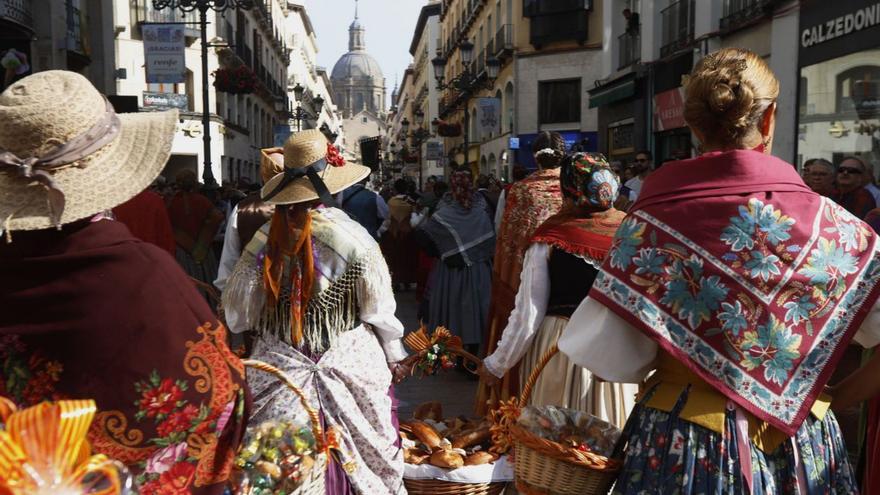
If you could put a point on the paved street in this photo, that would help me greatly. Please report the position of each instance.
(453, 389)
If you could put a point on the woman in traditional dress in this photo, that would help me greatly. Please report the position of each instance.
(313, 285)
(398, 244)
(526, 205)
(741, 288)
(90, 311)
(460, 233)
(559, 269)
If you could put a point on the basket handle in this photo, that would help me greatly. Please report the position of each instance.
(314, 416)
(533, 376)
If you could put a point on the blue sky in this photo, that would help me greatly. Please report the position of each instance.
(389, 25)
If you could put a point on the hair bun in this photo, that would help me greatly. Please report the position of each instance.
(722, 97)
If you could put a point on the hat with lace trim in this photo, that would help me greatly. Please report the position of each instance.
(313, 169)
(66, 155)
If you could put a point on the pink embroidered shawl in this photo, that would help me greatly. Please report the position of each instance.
(757, 284)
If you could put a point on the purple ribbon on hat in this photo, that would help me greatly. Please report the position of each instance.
(41, 168)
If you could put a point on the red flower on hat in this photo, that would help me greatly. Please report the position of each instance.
(333, 156)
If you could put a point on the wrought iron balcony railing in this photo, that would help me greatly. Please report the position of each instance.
(678, 26)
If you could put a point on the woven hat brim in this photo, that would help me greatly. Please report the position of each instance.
(300, 191)
(109, 177)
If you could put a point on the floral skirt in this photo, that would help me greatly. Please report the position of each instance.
(666, 454)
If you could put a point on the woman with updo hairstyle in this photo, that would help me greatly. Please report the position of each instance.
(739, 288)
(560, 265)
(525, 206)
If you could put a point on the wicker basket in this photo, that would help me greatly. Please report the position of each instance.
(314, 483)
(544, 467)
(419, 342)
(440, 487)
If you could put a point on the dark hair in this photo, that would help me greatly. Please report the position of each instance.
(857, 159)
(440, 188)
(549, 140)
(401, 186)
(483, 181)
(519, 172)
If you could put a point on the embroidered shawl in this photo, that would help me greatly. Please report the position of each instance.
(736, 268)
(102, 315)
(528, 204)
(333, 307)
(588, 238)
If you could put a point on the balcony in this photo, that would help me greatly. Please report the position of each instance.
(630, 47)
(503, 45)
(18, 11)
(678, 27)
(738, 13)
(558, 27)
(76, 22)
(532, 8)
(145, 13)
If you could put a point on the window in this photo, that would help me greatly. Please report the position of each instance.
(162, 87)
(859, 89)
(559, 101)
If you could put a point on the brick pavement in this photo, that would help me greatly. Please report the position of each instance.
(453, 389)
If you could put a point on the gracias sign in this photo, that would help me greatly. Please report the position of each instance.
(863, 18)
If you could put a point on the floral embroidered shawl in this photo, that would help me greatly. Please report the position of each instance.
(587, 237)
(757, 284)
(101, 315)
(528, 204)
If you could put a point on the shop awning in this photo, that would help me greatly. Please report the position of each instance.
(606, 95)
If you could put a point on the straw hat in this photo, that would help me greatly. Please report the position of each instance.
(60, 114)
(271, 163)
(309, 149)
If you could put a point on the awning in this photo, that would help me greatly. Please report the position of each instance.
(610, 94)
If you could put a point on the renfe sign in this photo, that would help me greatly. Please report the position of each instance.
(842, 25)
(831, 29)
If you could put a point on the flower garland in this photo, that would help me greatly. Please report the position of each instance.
(240, 80)
(435, 353)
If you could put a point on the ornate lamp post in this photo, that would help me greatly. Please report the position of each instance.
(203, 6)
(468, 83)
(301, 114)
(419, 136)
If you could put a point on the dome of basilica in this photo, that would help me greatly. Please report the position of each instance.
(357, 64)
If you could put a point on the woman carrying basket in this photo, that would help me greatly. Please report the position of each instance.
(313, 285)
(558, 271)
(742, 288)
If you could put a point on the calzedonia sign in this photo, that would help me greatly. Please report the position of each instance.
(829, 29)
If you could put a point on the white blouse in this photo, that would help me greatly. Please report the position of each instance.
(609, 346)
(526, 318)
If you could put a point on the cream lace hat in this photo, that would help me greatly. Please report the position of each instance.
(305, 165)
(65, 155)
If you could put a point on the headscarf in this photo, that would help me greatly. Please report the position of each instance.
(461, 185)
(587, 179)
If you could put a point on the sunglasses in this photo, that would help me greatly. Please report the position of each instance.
(850, 171)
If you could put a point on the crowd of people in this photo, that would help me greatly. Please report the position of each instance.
(702, 306)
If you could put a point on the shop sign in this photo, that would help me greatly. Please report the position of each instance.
(841, 25)
(489, 115)
(433, 150)
(830, 29)
(164, 56)
(621, 139)
(163, 101)
(669, 110)
(513, 143)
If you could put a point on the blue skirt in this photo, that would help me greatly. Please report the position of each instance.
(668, 455)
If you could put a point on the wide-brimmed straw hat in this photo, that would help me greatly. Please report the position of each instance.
(66, 155)
(271, 163)
(305, 168)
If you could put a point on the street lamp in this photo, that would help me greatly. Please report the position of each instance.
(404, 125)
(203, 6)
(301, 114)
(468, 83)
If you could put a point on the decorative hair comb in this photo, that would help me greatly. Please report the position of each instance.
(712, 63)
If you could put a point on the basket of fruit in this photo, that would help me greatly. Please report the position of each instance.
(282, 457)
(557, 451)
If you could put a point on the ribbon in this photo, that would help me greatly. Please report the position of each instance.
(312, 171)
(43, 450)
(419, 341)
(41, 168)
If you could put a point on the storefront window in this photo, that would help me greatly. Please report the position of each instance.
(840, 109)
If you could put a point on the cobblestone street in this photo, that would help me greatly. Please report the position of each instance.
(453, 389)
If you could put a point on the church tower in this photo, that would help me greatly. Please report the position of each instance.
(358, 82)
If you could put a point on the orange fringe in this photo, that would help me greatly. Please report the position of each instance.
(280, 245)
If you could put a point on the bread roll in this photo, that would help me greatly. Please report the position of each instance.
(426, 434)
(429, 410)
(447, 459)
(470, 438)
(480, 458)
(415, 456)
